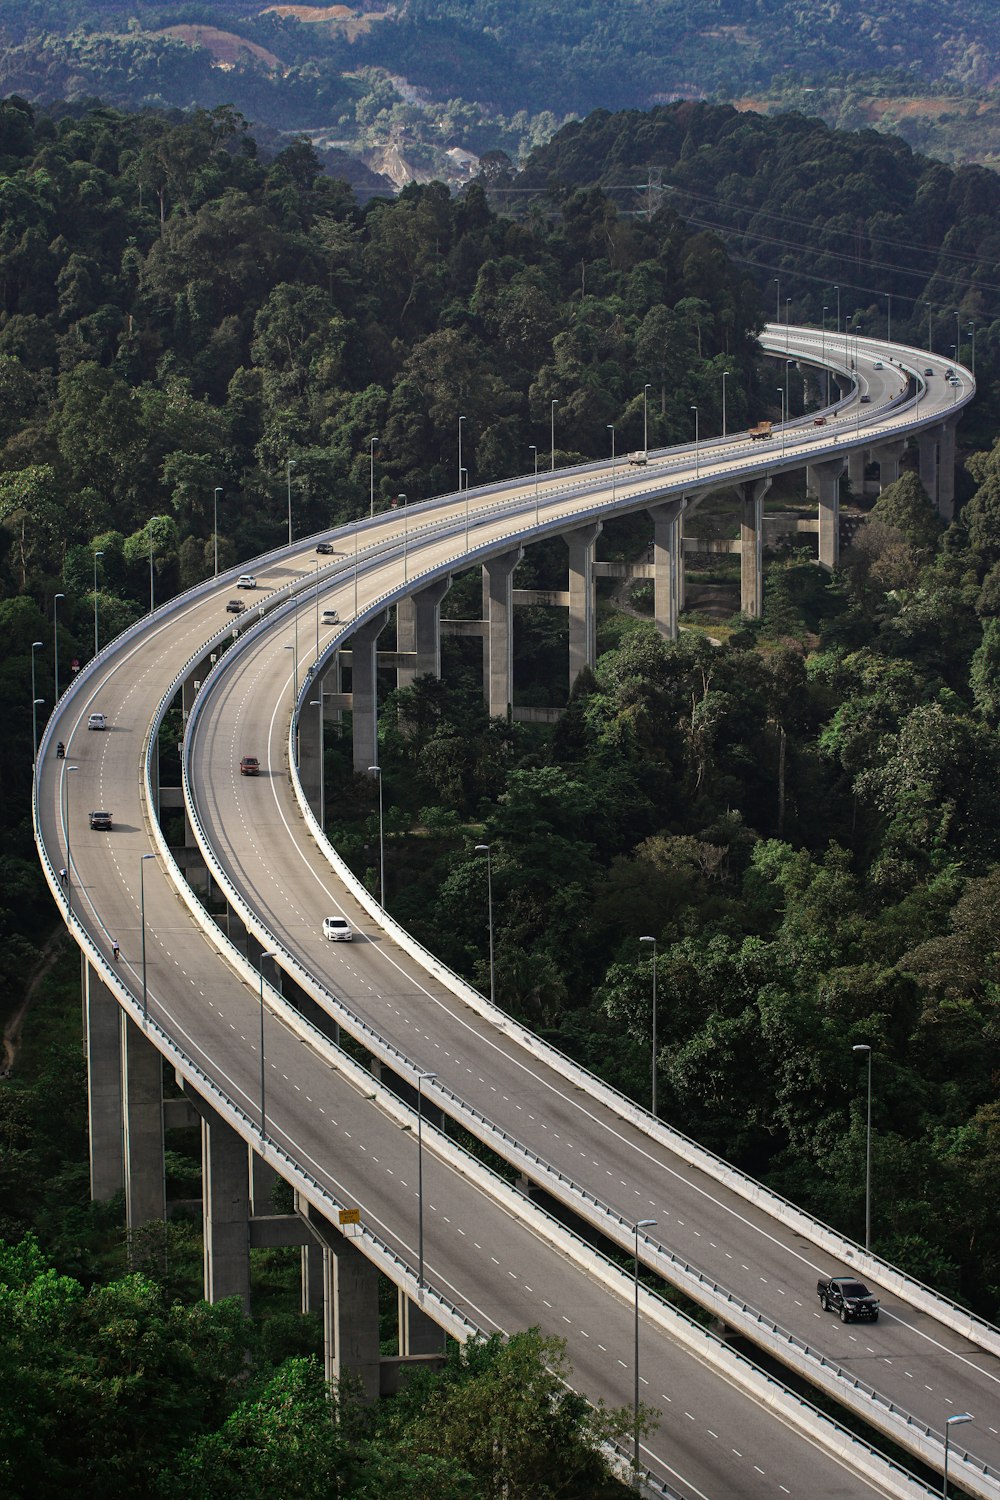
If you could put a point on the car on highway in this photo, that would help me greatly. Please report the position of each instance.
(928, 371)
(819, 421)
(97, 721)
(865, 399)
(101, 820)
(249, 765)
(331, 617)
(246, 581)
(235, 607)
(325, 549)
(337, 929)
(847, 1296)
(878, 365)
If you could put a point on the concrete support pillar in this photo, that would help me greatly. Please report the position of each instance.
(927, 447)
(422, 631)
(364, 690)
(681, 567)
(824, 481)
(666, 564)
(752, 546)
(261, 1181)
(582, 599)
(418, 1334)
(142, 1111)
(887, 456)
(499, 685)
(856, 460)
(225, 1202)
(102, 1021)
(350, 1316)
(946, 472)
(312, 740)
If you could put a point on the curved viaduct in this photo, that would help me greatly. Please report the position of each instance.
(200, 980)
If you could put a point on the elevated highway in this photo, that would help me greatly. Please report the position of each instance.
(545, 1117)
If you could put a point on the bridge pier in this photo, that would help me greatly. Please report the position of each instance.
(142, 1111)
(887, 456)
(225, 1200)
(364, 690)
(857, 459)
(498, 573)
(350, 1310)
(752, 547)
(824, 480)
(666, 564)
(582, 542)
(103, 1022)
(946, 472)
(418, 629)
(418, 1334)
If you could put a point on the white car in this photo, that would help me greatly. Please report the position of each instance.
(337, 929)
(331, 617)
(246, 581)
(97, 721)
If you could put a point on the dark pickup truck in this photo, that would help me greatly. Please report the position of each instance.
(848, 1297)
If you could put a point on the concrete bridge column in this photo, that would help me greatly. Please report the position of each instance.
(946, 472)
(142, 1111)
(350, 1308)
(824, 480)
(752, 547)
(311, 732)
(666, 564)
(582, 601)
(418, 1334)
(364, 690)
(102, 1021)
(681, 566)
(225, 1205)
(421, 632)
(927, 448)
(887, 456)
(261, 1178)
(856, 461)
(499, 684)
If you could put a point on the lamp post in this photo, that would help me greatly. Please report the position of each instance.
(725, 377)
(837, 290)
(777, 301)
(401, 500)
(823, 354)
(318, 703)
(465, 472)
(289, 466)
(552, 435)
(639, 1224)
(787, 306)
(950, 1422)
(69, 852)
(142, 923)
(781, 398)
(614, 472)
(96, 640)
(972, 334)
(486, 849)
(215, 527)
(863, 1047)
(653, 1088)
(645, 416)
(55, 640)
(422, 1078)
(377, 771)
(788, 401)
(152, 586)
(372, 445)
(888, 318)
(260, 974)
(35, 646)
(534, 449)
(295, 673)
(697, 456)
(460, 421)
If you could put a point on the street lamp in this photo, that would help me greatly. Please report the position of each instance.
(781, 398)
(215, 530)
(787, 305)
(645, 418)
(55, 640)
(422, 1078)
(777, 301)
(697, 458)
(152, 596)
(837, 290)
(486, 849)
(614, 472)
(465, 473)
(372, 445)
(260, 973)
(653, 1090)
(534, 450)
(142, 922)
(725, 377)
(823, 354)
(69, 852)
(96, 556)
(788, 402)
(401, 499)
(377, 771)
(863, 1047)
(460, 421)
(950, 1422)
(35, 646)
(289, 466)
(552, 434)
(972, 334)
(639, 1224)
(314, 703)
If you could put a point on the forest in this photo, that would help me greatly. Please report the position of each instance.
(801, 809)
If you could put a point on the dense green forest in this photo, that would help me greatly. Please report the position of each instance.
(804, 814)
(431, 74)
